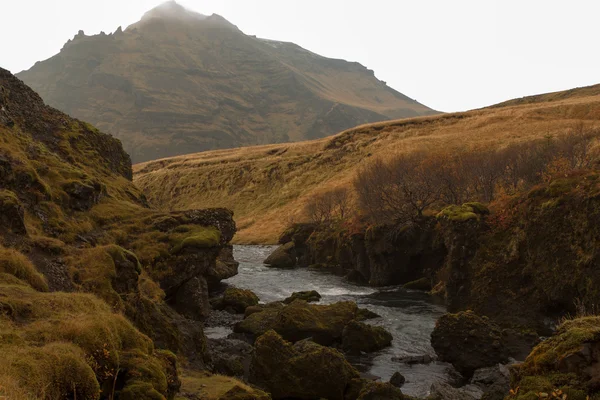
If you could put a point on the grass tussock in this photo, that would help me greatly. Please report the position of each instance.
(16, 264)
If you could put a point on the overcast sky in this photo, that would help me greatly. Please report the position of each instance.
(449, 55)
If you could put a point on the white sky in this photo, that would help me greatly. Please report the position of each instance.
(449, 55)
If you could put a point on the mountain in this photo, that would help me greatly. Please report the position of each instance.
(179, 82)
(268, 186)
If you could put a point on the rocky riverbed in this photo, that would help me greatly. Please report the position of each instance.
(408, 315)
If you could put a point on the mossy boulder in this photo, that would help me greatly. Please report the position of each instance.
(310, 296)
(283, 257)
(380, 391)
(423, 284)
(200, 237)
(83, 195)
(397, 379)
(300, 320)
(458, 213)
(468, 342)
(359, 337)
(364, 314)
(238, 299)
(304, 370)
(12, 213)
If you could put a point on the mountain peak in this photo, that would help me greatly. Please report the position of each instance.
(173, 10)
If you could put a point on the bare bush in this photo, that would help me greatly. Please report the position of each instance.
(328, 207)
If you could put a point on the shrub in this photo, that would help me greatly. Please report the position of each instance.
(14, 263)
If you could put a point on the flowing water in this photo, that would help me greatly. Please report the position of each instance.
(408, 315)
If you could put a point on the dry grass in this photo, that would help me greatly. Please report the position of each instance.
(268, 186)
(207, 386)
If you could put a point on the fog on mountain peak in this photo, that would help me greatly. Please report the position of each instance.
(171, 9)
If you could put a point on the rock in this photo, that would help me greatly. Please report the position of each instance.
(300, 320)
(83, 194)
(225, 267)
(423, 284)
(364, 314)
(239, 393)
(305, 370)
(359, 337)
(443, 391)
(380, 391)
(411, 360)
(191, 299)
(283, 257)
(261, 307)
(397, 379)
(239, 299)
(308, 296)
(229, 357)
(12, 213)
(493, 381)
(469, 342)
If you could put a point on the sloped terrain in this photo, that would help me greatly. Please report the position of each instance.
(178, 82)
(269, 186)
(91, 279)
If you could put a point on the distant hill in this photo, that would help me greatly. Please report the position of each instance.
(268, 186)
(179, 82)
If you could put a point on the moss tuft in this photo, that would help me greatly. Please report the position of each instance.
(199, 237)
(458, 213)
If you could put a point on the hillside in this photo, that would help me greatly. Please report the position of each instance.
(178, 82)
(90, 276)
(268, 186)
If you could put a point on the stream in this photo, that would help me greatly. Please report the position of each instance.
(408, 315)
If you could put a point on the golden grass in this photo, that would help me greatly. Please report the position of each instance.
(268, 186)
(207, 386)
(16, 264)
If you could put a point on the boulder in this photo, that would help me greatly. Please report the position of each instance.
(83, 194)
(239, 299)
(300, 320)
(412, 360)
(12, 213)
(304, 370)
(380, 391)
(310, 296)
(469, 342)
(493, 381)
(283, 257)
(364, 314)
(397, 379)
(229, 357)
(443, 391)
(359, 337)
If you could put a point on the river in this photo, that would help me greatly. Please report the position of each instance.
(408, 315)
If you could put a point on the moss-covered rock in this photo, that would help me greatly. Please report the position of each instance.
(359, 337)
(459, 213)
(300, 320)
(198, 237)
(380, 391)
(305, 370)
(310, 296)
(283, 257)
(238, 300)
(469, 342)
(364, 314)
(566, 362)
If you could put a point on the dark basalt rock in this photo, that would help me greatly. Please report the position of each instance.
(304, 370)
(283, 257)
(84, 195)
(359, 337)
(12, 214)
(310, 296)
(397, 379)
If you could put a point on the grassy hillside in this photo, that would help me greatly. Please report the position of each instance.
(268, 186)
(89, 274)
(175, 84)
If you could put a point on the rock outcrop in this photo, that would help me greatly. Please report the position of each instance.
(470, 342)
(304, 370)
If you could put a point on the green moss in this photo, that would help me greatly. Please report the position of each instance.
(197, 237)
(423, 284)
(458, 213)
(478, 208)
(239, 299)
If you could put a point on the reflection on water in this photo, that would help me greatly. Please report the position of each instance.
(409, 316)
